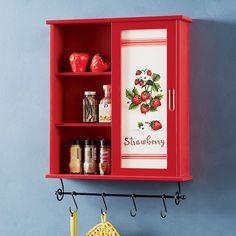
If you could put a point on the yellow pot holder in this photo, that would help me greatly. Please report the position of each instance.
(103, 229)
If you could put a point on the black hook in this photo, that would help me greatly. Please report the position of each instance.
(135, 208)
(178, 195)
(72, 194)
(104, 202)
(164, 203)
(60, 192)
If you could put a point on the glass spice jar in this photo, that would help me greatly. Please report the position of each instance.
(105, 157)
(75, 164)
(90, 156)
(105, 105)
(89, 107)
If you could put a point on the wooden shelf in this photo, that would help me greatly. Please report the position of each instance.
(83, 125)
(63, 74)
(117, 177)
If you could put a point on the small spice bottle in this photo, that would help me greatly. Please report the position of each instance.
(75, 164)
(90, 156)
(105, 157)
(105, 105)
(90, 107)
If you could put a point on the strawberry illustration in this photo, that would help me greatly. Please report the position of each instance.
(141, 82)
(100, 63)
(155, 103)
(145, 95)
(149, 72)
(136, 100)
(144, 108)
(136, 82)
(138, 72)
(154, 124)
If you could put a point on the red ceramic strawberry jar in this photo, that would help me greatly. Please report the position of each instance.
(100, 63)
(79, 61)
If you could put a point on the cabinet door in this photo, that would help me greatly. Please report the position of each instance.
(143, 97)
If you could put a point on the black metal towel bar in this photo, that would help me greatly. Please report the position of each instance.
(177, 197)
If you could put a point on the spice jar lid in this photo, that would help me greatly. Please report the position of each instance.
(90, 142)
(76, 142)
(106, 86)
(105, 142)
(87, 93)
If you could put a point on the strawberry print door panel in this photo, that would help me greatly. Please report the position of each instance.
(144, 126)
(144, 99)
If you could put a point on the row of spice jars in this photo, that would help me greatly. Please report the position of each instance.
(85, 159)
(97, 113)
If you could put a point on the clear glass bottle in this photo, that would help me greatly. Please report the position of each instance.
(105, 105)
(90, 107)
(105, 157)
(75, 164)
(90, 156)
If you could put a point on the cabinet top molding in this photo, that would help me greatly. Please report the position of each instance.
(111, 20)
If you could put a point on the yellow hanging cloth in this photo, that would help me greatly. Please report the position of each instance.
(73, 223)
(103, 229)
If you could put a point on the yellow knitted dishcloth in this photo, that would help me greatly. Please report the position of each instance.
(103, 229)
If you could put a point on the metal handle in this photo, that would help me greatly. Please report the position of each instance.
(171, 95)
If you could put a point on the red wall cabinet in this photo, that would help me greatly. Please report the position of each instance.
(149, 78)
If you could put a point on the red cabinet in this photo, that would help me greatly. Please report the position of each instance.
(149, 78)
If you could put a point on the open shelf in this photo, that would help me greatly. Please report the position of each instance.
(83, 125)
(69, 94)
(89, 38)
(63, 74)
(62, 135)
(118, 177)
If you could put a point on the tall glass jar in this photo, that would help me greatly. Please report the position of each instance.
(90, 107)
(105, 105)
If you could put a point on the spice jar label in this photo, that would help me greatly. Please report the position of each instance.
(104, 112)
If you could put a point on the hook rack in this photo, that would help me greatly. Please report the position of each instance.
(60, 193)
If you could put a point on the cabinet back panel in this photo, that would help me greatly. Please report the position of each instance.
(86, 38)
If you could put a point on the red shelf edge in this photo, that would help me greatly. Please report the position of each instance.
(118, 177)
(83, 125)
(83, 73)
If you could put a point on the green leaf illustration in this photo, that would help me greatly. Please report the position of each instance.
(140, 124)
(152, 109)
(160, 96)
(129, 94)
(155, 87)
(155, 77)
(135, 91)
(133, 106)
(149, 82)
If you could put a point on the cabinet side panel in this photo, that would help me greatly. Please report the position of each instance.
(55, 100)
(183, 98)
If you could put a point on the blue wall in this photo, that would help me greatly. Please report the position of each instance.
(27, 201)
